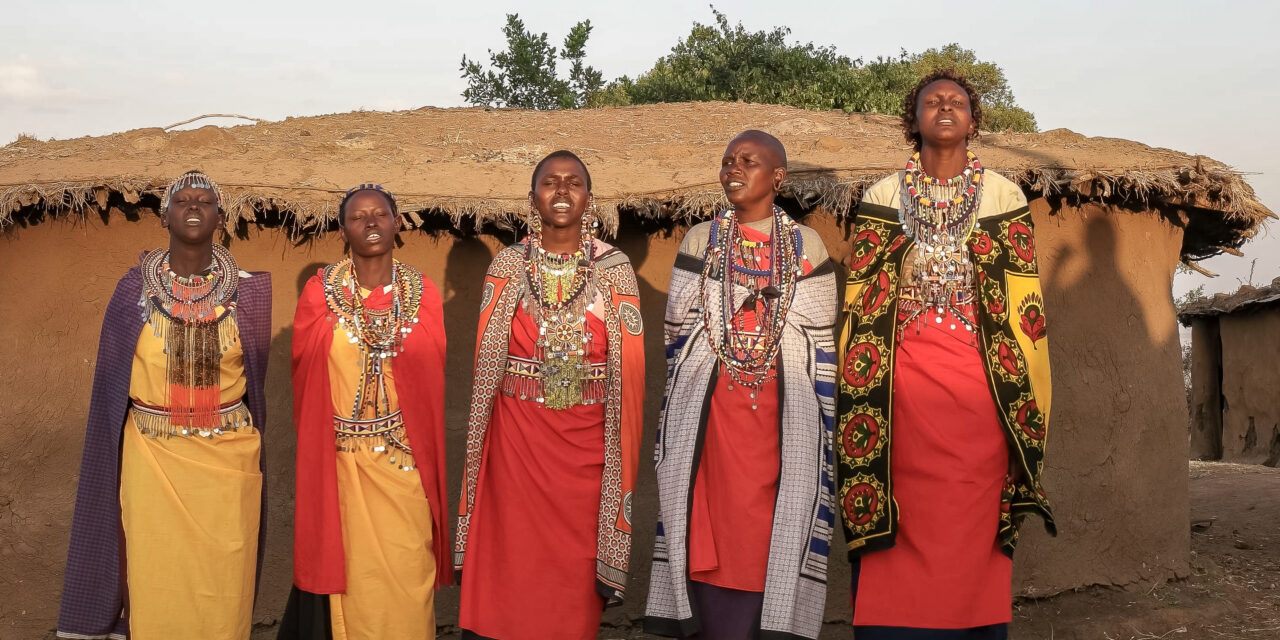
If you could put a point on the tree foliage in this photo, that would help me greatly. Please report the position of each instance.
(725, 61)
(1193, 295)
(524, 75)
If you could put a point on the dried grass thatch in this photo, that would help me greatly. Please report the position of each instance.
(653, 162)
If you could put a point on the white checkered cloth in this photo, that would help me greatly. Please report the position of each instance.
(795, 582)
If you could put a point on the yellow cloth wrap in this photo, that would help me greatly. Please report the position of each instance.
(189, 507)
(386, 527)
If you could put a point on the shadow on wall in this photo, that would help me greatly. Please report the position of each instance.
(635, 240)
(1117, 430)
(280, 448)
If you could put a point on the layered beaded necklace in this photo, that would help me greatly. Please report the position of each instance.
(769, 271)
(183, 311)
(939, 215)
(561, 292)
(378, 333)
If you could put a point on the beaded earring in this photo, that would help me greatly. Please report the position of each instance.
(533, 219)
(590, 223)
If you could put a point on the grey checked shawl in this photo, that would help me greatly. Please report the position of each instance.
(93, 590)
(795, 582)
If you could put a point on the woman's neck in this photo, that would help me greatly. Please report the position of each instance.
(753, 212)
(561, 240)
(188, 260)
(373, 272)
(944, 162)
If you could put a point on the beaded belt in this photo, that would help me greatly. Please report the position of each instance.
(523, 379)
(155, 422)
(376, 434)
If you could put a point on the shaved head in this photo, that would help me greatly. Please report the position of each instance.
(770, 143)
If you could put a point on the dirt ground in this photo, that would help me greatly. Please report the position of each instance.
(1232, 594)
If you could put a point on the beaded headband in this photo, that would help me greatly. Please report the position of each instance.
(194, 179)
(368, 186)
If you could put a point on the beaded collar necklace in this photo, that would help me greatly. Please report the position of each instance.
(194, 298)
(748, 353)
(380, 333)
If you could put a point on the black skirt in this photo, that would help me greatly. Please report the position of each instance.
(306, 617)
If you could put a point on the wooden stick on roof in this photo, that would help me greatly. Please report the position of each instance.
(213, 115)
(1199, 269)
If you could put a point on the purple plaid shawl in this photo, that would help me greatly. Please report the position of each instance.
(94, 591)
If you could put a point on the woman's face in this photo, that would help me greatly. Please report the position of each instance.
(750, 172)
(193, 215)
(560, 193)
(944, 116)
(369, 224)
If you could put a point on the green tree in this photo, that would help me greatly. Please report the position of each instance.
(524, 75)
(726, 62)
(1192, 295)
(880, 85)
(723, 61)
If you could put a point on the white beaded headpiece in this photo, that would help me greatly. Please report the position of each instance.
(194, 179)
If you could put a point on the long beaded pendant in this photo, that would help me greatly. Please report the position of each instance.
(182, 310)
(939, 215)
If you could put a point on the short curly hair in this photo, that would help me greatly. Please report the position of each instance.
(909, 104)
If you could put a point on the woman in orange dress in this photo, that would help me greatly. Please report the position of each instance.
(370, 543)
(166, 537)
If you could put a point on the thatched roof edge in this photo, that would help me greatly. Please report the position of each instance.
(312, 209)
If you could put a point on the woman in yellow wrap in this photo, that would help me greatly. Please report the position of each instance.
(172, 458)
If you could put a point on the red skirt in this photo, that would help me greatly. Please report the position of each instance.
(949, 460)
(735, 491)
(530, 568)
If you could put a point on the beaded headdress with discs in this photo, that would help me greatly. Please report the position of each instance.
(195, 315)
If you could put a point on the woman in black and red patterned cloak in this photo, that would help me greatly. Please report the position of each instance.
(943, 355)
(544, 520)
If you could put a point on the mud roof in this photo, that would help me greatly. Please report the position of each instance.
(659, 162)
(1247, 299)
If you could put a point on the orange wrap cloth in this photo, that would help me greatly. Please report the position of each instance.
(189, 509)
(319, 562)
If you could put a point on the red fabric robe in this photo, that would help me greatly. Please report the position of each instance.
(318, 561)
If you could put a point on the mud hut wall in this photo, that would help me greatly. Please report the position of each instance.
(1250, 380)
(1206, 389)
(1117, 430)
(1105, 425)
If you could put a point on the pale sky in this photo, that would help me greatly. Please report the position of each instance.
(1200, 77)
